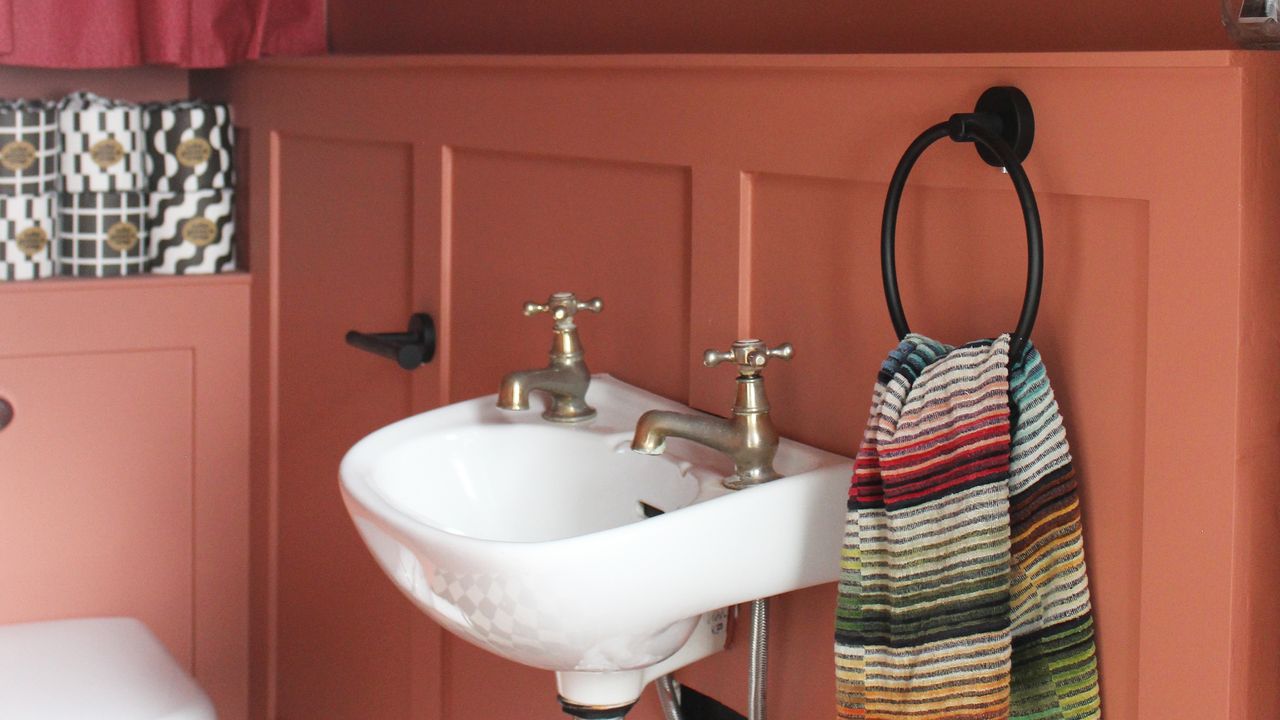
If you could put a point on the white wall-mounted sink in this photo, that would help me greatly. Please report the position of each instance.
(530, 539)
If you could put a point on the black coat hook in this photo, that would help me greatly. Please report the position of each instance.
(1003, 128)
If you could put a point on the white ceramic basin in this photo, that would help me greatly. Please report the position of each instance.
(529, 539)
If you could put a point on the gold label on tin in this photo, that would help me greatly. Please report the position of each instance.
(122, 236)
(33, 241)
(106, 153)
(193, 152)
(200, 231)
(18, 155)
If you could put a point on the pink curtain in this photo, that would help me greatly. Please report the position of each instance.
(187, 33)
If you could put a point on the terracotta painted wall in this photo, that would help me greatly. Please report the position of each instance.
(769, 26)
(708, 198)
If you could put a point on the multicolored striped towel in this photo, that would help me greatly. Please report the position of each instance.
(963, 592)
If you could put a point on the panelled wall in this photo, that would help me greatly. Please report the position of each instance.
(712, 198)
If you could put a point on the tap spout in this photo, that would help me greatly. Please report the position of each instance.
(514, 392)
(566, 383)
(749, 440)
(655, 426)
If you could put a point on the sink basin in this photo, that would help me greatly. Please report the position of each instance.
(558, 547)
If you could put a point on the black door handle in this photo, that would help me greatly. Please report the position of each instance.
(6, 413)
(410, 349)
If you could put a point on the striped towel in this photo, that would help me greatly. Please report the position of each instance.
(963, 592)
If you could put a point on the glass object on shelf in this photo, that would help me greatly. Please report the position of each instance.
(1253, 23)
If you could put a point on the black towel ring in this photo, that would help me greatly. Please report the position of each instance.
(1002, 127)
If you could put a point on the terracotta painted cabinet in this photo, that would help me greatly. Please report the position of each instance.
(714, 197)
(123, 474)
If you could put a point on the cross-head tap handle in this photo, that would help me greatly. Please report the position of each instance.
(563, 306)
(750, 355)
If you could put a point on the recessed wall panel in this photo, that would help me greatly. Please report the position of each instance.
(82, 531)
(345, 229)
(525, 226)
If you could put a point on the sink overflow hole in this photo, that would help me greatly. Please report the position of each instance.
(649, 510)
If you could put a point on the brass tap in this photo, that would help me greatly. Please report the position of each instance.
(747, 437)
(566, 377)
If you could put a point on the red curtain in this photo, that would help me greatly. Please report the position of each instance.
(186, 33)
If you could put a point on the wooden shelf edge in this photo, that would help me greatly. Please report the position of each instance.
(70, 284)
(1117, 59)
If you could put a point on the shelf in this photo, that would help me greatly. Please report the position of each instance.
(71, 284)
(1131, 59)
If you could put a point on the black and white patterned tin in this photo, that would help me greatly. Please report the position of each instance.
(28, 147)
(101, 144)
(27, 226)
(189, 146)
(102, 234)
(192, 233)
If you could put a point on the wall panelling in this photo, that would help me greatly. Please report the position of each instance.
(713, 197)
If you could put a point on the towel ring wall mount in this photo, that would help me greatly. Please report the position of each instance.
(1002, 127)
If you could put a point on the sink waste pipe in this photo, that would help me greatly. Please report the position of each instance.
(595, 712)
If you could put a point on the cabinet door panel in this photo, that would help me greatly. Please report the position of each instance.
(124, 484)
(96, 490)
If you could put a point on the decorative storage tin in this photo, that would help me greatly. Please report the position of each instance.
(101, 144)
(189, 146)
(27, 224)
(28, 147)
(192, 233)
(102, 234)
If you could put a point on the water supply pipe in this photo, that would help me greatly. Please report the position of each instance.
(758, 674)
(666, 686)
